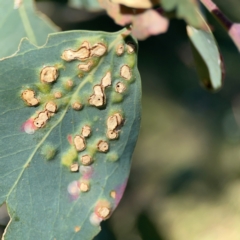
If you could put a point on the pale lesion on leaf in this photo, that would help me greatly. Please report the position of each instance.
(85, 52)
(86, 131)
(126, 72)
(49, 74)
(98, 98)
(86, 160)
(29, 97)
(79, 143)
(120, 87)
(114, 122)
(103, 146)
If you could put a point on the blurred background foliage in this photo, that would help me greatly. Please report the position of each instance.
(185, 177)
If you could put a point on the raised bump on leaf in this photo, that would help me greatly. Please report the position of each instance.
(103, 209)
(116, 97)
(79, 143)
(77, 229)
(81, 54)
(84, 186)
(112, 134)
(77, 106)
(113, 124)
(49, 74)
(41, 120)
(57, 95)
(29, 97)
(85, 66)
(68, 85)
(103, 146)
(130, 48)
(74, 167)
(69, 157)
(98, 50)
(86, 44)
(86, 131)
(125, 72)
(49, 151)
(86, 160)
(120, 49)
(112, 157)
(51, 107)
(113, 194)
(106, 80)
(97, 98)
(120, 87)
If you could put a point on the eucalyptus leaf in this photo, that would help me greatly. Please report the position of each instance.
(185, 9)
(207, 57)
(69, 121)
(19, 19)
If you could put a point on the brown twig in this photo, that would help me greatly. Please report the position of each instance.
(232, 28)
(217, 13)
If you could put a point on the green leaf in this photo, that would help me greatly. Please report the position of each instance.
(41, 146)
(185, 9)
(207, 57)
(18, 19)
(91, 5)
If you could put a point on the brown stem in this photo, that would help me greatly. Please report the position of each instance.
(232, 28)
(216, 12)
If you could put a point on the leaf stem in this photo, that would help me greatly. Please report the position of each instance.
(233, 29)
(217, 13)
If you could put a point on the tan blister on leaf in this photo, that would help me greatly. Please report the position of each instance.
(113, 123)
(98, 50)
(85, 66)
(86, 131)
(106, 80)
(77, 106)
(74, 167)
(120, 49)
(130, 48)
(86, 160)
(102, 146)
(126, 72)
(120, 87)
(86, 45)
(84, 186)
(49, 74)
(119, 118)
(81, 54)
(51, 107)
(29, 97)
(41, 119)
(103, 212)
(112, 134)
(98, 98)
(79, 143)
(57, 95)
